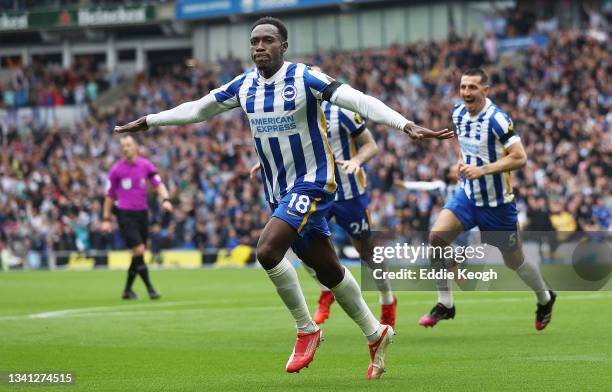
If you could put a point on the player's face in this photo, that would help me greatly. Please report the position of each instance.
(473, 93)
(128, 148)
(267, 47)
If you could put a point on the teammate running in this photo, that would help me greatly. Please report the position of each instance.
(491, 150)
(282, 101)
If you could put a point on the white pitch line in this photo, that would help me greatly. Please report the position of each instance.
(572, 358)
(106, 309)
(139, 313)
(151, 307)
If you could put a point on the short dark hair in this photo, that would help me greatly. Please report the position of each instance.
(484, 78)
(282, 29)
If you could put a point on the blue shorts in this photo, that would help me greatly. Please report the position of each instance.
(499, 225)
(304, 208)
(352, 215)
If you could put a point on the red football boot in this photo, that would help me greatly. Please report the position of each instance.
(304, 350)
(387, 313)
(378, 351)
(325, 301)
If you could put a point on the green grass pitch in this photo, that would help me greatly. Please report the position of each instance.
(226, 330)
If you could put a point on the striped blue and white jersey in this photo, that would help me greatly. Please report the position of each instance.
(484, 139)
(343, 126)
(288, 126)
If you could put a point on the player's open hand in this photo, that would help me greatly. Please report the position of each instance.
(134, 126)
(253, 171)
(350, 167)
(417, 132)
(471, 172)
(167, 206)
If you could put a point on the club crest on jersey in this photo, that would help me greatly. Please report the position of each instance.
(289, 93)
(126, 183)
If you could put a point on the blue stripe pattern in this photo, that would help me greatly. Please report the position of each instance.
(298, 157)
(495, 125)
(471, 182)
(313, 82)
(497, 180)
(250, 102)
(231, 91)
(290, 81)
(281, 176)
(479, 125)
(468, 128)
(269, 98)
(350, 126)
(327, 112)
(339, 181)
(460, 120)
(482, 182)
(346, 155)
(312, 111)
(266, 172)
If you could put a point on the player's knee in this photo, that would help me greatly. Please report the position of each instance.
(437, 239)
(268, 255)
(513, 259)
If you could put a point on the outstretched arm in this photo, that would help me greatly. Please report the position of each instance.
(217, 101)
(372, 108)
(186, 113)
(427, 186)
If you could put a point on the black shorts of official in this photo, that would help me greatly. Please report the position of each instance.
(134, 226)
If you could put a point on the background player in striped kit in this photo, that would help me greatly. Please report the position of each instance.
(491, 150)
(127, 185)
(346, 130)
(352, 145)
(282, 101)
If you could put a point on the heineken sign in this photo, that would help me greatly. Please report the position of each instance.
(75, 17)
(111, 16)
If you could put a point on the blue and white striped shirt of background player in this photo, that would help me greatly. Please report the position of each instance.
(343, 126)
(287, 122)
(483, 139)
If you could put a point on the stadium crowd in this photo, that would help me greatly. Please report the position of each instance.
(560, 96)
(45, 87)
